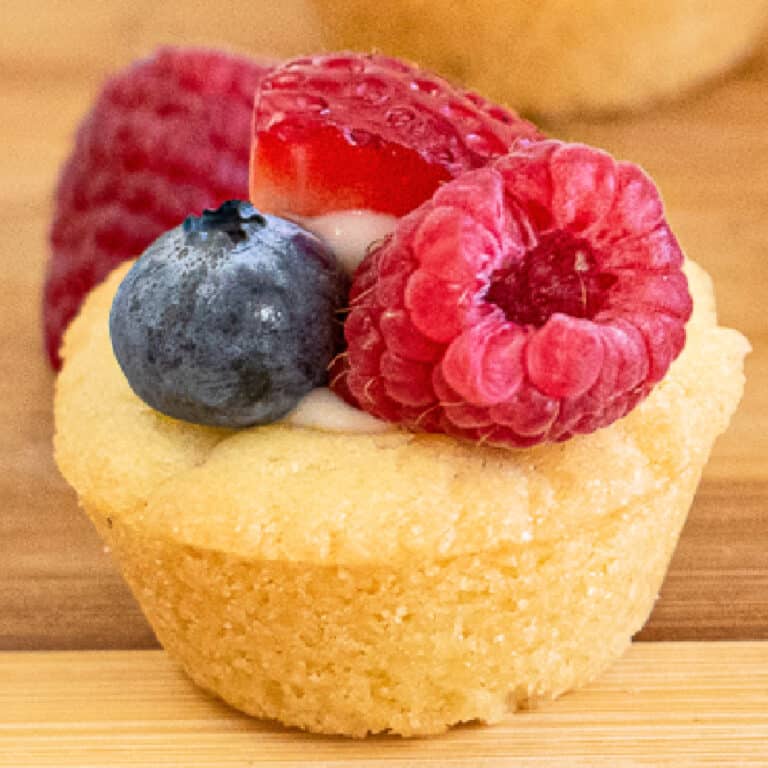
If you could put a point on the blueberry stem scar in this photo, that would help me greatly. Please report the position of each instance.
(228, 218)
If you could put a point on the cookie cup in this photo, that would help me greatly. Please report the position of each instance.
(557, 57)
(358, 583)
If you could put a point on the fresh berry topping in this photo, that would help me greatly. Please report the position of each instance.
(228, 319)
(168, 136)
(342, 131)
(528, 301)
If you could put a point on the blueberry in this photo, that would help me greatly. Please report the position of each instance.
(228, 319)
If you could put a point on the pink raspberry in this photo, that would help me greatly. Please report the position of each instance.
(528, 301)
(167, 137)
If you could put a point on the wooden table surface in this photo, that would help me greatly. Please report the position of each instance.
(677, 705)
(709, 154)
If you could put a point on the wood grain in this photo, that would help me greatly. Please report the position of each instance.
(709, 154)
(663, 704)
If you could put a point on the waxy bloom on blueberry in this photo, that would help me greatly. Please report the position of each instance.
(228, 319)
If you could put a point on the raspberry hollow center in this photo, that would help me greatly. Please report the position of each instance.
(559, 275)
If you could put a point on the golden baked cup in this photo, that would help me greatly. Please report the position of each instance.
(357, 583)
(557, 57)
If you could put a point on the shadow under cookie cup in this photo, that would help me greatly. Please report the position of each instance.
(391, 582)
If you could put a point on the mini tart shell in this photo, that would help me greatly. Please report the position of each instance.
(557, 57)
(356, 583)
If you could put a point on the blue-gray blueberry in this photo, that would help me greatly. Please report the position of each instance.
(229, 319)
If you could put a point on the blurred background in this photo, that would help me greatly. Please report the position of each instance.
(681, 90)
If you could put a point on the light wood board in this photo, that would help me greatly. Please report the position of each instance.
(663, 704)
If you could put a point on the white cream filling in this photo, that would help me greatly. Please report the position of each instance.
(323, 409)
(349, 234)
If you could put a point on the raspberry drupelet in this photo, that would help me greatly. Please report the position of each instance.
(528, 301)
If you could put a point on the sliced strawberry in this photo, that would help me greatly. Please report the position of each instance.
(342, 131)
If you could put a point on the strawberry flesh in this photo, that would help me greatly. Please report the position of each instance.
(327, 172)
(343, 131)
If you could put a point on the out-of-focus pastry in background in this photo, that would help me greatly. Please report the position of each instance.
(286, 28)
(557, 57)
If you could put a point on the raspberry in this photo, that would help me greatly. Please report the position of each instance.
(167, 137)
(343, 131)
(528, 301)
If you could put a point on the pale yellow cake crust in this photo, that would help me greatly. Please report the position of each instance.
(361, 583)
(556, 57)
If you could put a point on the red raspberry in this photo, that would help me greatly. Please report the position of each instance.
(528, 301)
(343, 131)
(167, 137)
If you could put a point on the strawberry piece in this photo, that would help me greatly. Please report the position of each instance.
(528, 301)
(167, 137)
(343, 131)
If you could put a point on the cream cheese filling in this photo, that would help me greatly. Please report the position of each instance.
(349, 234)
